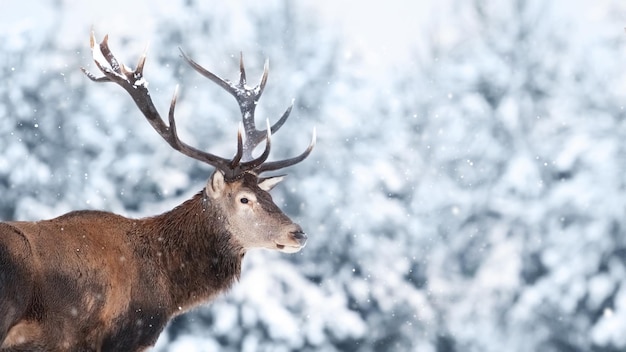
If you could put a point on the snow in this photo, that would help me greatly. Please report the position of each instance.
(466, 190)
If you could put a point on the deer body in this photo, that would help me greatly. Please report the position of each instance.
(74, 294)
(97, 281)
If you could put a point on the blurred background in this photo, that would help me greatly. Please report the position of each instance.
(467, 191)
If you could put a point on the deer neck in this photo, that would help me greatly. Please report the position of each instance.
(193, 249)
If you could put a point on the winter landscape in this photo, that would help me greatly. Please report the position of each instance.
(467, 191)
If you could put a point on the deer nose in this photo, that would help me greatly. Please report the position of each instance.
(299, 236)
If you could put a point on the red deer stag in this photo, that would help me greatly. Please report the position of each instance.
(96, 281)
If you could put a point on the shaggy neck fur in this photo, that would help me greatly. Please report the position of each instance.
(191, 246)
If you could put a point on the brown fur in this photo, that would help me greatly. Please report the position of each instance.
(96, 281)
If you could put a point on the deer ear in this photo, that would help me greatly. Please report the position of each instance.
(268, 183)
(216, 185)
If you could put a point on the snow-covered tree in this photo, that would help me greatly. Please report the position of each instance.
(520, 199)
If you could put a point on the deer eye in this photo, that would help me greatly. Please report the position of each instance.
(244, 200)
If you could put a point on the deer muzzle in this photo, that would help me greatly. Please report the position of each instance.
(296, 241)
(300, 237)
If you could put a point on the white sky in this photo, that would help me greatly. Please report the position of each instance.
(385, 28)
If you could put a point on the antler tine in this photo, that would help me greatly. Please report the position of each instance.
(242, 72)
(254, 164)
(261, 87)
(227, 86)
(172, 136)
(239, 154)
(276, 165)
(283, 118)
(255, 138)
(142, 61)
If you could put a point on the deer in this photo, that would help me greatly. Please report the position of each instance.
(97, 281)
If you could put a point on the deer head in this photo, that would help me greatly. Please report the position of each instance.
(235, 189)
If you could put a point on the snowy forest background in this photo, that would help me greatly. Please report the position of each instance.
(468, 197)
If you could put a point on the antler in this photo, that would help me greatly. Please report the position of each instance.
(134, 83)
(247, 98)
